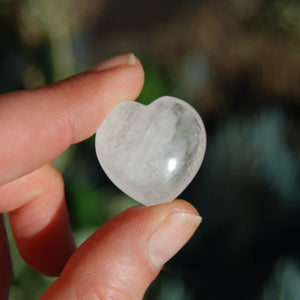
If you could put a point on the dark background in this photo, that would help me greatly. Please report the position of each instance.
(238, 63)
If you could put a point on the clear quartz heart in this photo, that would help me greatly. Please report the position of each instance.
(151, 152)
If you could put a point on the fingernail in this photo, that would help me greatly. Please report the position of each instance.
(123, 59)
(170, 236)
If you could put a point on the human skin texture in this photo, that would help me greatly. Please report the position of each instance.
(121, 258)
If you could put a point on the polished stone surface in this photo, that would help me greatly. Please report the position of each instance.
(151, 152)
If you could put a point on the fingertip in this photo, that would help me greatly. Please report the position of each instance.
(51, 118)
(127, 253)
(177, 205)
(128, 59)
(171, 234)
(92, 95)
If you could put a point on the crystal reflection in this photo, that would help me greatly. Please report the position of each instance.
(172, 164)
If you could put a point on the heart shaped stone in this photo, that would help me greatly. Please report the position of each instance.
(151, 152)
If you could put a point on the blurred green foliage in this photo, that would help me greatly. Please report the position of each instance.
(237, 62)
(285, 282)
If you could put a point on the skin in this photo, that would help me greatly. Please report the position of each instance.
(38, 125)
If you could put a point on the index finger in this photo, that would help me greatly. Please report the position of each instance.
(38, 125)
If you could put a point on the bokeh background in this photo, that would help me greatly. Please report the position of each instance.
(238, 63)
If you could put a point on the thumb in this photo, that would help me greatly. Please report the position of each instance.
(124, 256)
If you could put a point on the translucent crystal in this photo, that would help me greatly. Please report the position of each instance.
(151, 152)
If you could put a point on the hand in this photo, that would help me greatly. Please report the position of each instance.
(118, 261)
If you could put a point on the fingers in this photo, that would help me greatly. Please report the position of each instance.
(5, 263)
(39, 219)
(125, 255)
(37, 125)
